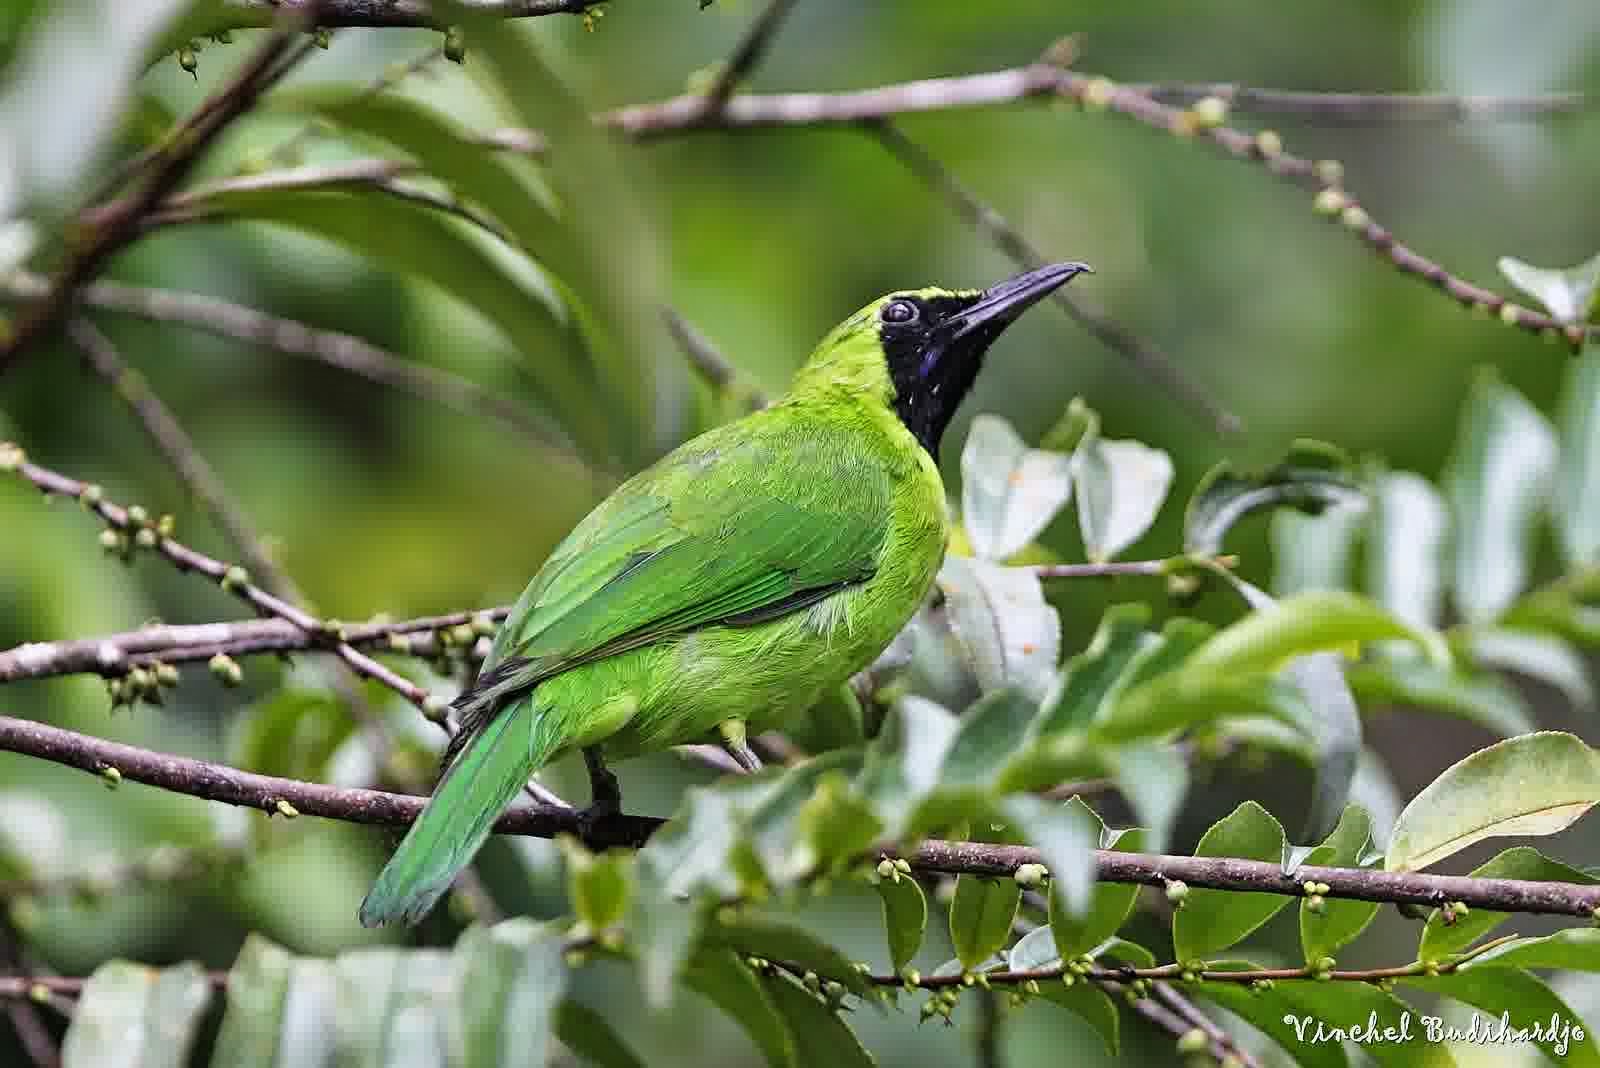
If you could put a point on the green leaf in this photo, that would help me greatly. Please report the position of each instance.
(1213, 920)
(1523, 1000)
(661, 928)
(981, 915)
(587, 1034)
(1310, 478)
(1577, 493)
(136, 1016)
(510, 978)
(1089, 1002)
(1271, 1013)
(1480, 698)
(1009, 492)
(598, 886)
(1497, 481)
(1405, 547)
(1011, 637)
(1568, 293)
(1306, 623)
(1312, 552)
(776, 940)
(615, 267)
(1078, 690)
(1191, 698)
(1127, 952)
(820, 1036)
(721, 976)
(1533, 785)
(1538, 656)
(1033, 951)
(1341, 920)
(1121, 485)
(1574, 949)
(1078, 931)
(1440, 940)
(905, 918)
(1336, 730)
(1066, 835)
(486, 277)
(445, 150)
(257, 986)
(990, 731)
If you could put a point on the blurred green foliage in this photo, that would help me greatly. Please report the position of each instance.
(376, 501)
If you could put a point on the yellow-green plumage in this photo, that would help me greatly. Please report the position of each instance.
(737, 579)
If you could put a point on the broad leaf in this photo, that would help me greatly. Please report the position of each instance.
(1009, 492)
(981, 914)
(1478, 697)
(1310, 479)
(1077, 931)
(774, 939)
(1523, 1000)
(1066, 835)
(251, 1025)
(1011, 637)
(1121, 485)
(1572, 949)
(1497, 481)
(1405, 547)
(1577, 494)
(1075, 696)
(1538, 656)
(1213, 920)
(1567, 293)
(720, 975)
(1323, 933)
(510, 979)
(905, 918)
(1154, 777)
(991, 730)
(137, 1016)
(588, 1034)
(1440, 940)
(1088, 1001)
(1532, 785)
(1306, 623)
(820, 1036)
(1312, 552)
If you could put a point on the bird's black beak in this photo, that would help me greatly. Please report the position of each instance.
(1004, 301)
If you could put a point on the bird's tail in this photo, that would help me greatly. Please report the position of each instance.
(476, 787)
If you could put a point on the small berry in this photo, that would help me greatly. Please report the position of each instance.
(188, 61)
(1269, 144)
(111, 776)
(1510, 313)
(226, 669)
(1030, 874)
(1193, 1041)
(112, 540)
(1097, 95)
(1177, 892)
(286, 810)
(145, 538)
(1330, 202)
(400, 643)
(455, 45)
(235, 579)
(11, 456)
(1355, 217)
(1210, 111)
(1329, 171)
(137, 516)
(91, 495)
(886, 869)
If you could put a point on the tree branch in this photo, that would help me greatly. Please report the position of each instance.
(757, 39)
(386, 14)
(113, 225)
(292, 337)
(218, 782)
(232, 579)
(1366, 107)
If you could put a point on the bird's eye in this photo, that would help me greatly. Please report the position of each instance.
(899, 311)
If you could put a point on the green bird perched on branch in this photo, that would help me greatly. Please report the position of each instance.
(727, 587)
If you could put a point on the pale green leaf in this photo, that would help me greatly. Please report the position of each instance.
(1121, 485)
(1011, 636)
(1009, 492)
(1213, 920)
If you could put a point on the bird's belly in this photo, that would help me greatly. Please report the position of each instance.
(766, 674)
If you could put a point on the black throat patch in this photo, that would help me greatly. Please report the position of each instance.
(931, 374)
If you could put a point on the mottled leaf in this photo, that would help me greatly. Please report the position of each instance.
(1532, 785)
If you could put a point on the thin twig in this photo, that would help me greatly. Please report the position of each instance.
(1341, 107)
(1010, 241)
(426, 637)
(385, 14)
(752, 46)
(219, 782)
(33, 1034)
(714, 367)
(113, 225)
(292, 337)
(1222, 1043)
(231, 578)
(178, 448)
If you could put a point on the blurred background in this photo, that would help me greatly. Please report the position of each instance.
(375, 501)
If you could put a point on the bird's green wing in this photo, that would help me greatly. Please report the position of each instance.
(733, 528)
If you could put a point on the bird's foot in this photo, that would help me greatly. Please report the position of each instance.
(734, 740)
(603, 824)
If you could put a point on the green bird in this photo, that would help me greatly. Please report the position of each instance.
(727, 587)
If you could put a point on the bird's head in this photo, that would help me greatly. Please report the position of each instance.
(922, 349)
